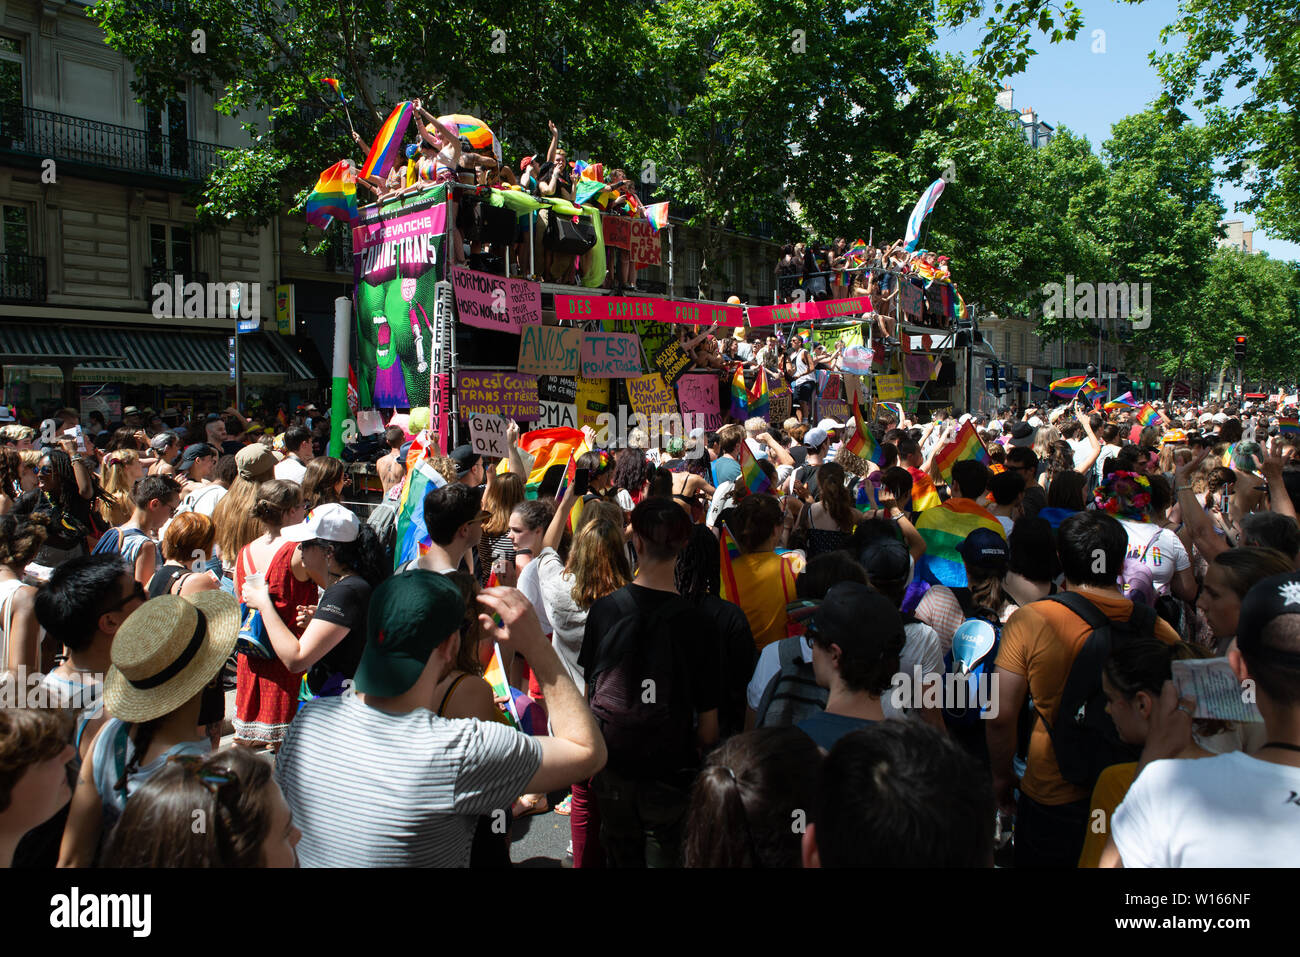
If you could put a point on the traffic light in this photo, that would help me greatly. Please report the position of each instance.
(1240, 348)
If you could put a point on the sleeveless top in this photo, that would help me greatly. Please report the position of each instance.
(113, 752)
(7, 591)
(497, 716)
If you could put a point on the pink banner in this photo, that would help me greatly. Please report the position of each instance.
(698, 394)
(810, 311)
(654, 310)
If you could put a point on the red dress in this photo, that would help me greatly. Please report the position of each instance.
(266, 692)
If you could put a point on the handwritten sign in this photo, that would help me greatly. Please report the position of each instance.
(507, 394)
(836, 409)
(697, 394)
(549, 350)
(780, 404)
(889, 387)
(651, 395)
(911, 298)
(557, 388)
(919, 367)
(591, 400)
(526, 301)
(487, 435)
(617, 231)
(610, 355)
(645, 244)
(483, 300)
(672, 361)
(691, 312)
(556, 415)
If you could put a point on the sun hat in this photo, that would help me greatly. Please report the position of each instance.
(167, 651)
(330, 522)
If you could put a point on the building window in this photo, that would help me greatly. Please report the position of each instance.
(691, 272)
(764, 270)
(169, 136)
(1024, 347)
(12, 91)
(15, 234)
(171, 252)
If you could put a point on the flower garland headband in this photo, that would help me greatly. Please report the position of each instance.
(1124, 495)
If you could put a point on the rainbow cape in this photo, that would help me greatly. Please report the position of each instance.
(739, 396)
(758, 399)
(861, 443)
(1147, 415)
(412, 534)
(335, 194)
(944, 528)
(1068, 387)
(751, 473)
(657, 215)
(966, 445)
(387, 147)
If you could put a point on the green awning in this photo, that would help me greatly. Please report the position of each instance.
(149, 356)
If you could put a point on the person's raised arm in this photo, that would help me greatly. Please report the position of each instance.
(513, 456)
(1199, 526)
(555, 531)
(575, 748)
(1094, 445)
(555, 141)
(356, 138)
(690, 344)
(776, 449)
(1279, 500)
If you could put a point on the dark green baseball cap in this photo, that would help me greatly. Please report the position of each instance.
(410, 615)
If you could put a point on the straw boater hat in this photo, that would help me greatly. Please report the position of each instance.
(167, 651)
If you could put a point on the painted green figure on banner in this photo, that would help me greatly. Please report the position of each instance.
(398, 259)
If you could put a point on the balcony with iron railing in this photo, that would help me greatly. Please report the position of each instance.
(44, 135)
(22, 278)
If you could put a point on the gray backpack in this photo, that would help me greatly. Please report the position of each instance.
(792, 695)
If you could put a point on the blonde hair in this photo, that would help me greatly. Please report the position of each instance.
(1044, 439)
(116, 480)
(598, 561)
(233, 516)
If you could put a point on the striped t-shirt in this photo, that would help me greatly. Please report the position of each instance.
(372, 789)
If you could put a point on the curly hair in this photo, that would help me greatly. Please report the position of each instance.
(631, 470)
(21, 539)
(11, 464)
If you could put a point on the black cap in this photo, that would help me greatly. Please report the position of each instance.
(465, 458)
(859, 619)
(983, 546)
(1267, 600)
(193, 453)
(886, 559)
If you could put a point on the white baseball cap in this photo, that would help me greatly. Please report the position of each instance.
(830, 425)
(331, 522)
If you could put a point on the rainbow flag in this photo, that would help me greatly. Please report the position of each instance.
(475, 135)
(739, 396)
(1288, 426)
(333, 84)
(758, 399)
(861, 443)
(944, 528)
(495, 675)
(1125, 401)
(412, 534)
(586, 190)
(1092, 390)
(966, 445)
(1069, 387)
(751, 473)
(388, 142)
(657, 214)
(728, 552)
(335, 194)
(924, 494)
(1148, 415)
(548, 447)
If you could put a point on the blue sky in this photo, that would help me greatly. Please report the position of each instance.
(1070, 85)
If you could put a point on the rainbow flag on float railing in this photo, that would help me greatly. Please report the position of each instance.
(387, 147)
(335, 195)
(966, 445)
(657, 215)
(757, 399)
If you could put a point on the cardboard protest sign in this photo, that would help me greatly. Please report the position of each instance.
(487, 435)
(591, 400)
(889, 387)
(610, 355)
(780, 404)
(672, 361)
(645, 244)
(697, 395)
(506, 394)
(617, 230)
(549, 350)
(651, 395)
(483, 300)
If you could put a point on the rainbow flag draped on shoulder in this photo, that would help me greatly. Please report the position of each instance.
(412, 534)
(944, 528)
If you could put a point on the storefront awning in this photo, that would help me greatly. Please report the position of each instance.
(147, 356)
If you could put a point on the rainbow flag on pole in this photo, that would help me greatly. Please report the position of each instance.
(333, 84)
(1092, 390)
(388, 142)
(1288, 426)
(924, 494)
(1147, 415)
(758, 397)
(861, 443)
(739, 396)
(495, 675)
(335, 195)
(1068, 387)
(657, 215)
(751, 473)
(966, 445)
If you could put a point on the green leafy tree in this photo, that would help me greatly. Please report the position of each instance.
(1259, 297)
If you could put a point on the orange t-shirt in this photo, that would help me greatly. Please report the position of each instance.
(1040, 643)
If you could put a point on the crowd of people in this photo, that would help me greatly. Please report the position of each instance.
(684, 648)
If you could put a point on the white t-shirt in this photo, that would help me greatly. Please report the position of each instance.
(371, 789)
(1228, 811)
(290, 469)
(1165, 556)
(568, 621)
(1082, 448)
(531, 586)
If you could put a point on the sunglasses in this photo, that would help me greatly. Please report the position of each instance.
(137, 591)
(45, 470)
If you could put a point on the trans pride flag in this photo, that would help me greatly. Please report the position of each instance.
(922, 210)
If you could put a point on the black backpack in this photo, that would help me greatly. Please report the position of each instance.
(569, 235)
(632, 688)
(1084, 738)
